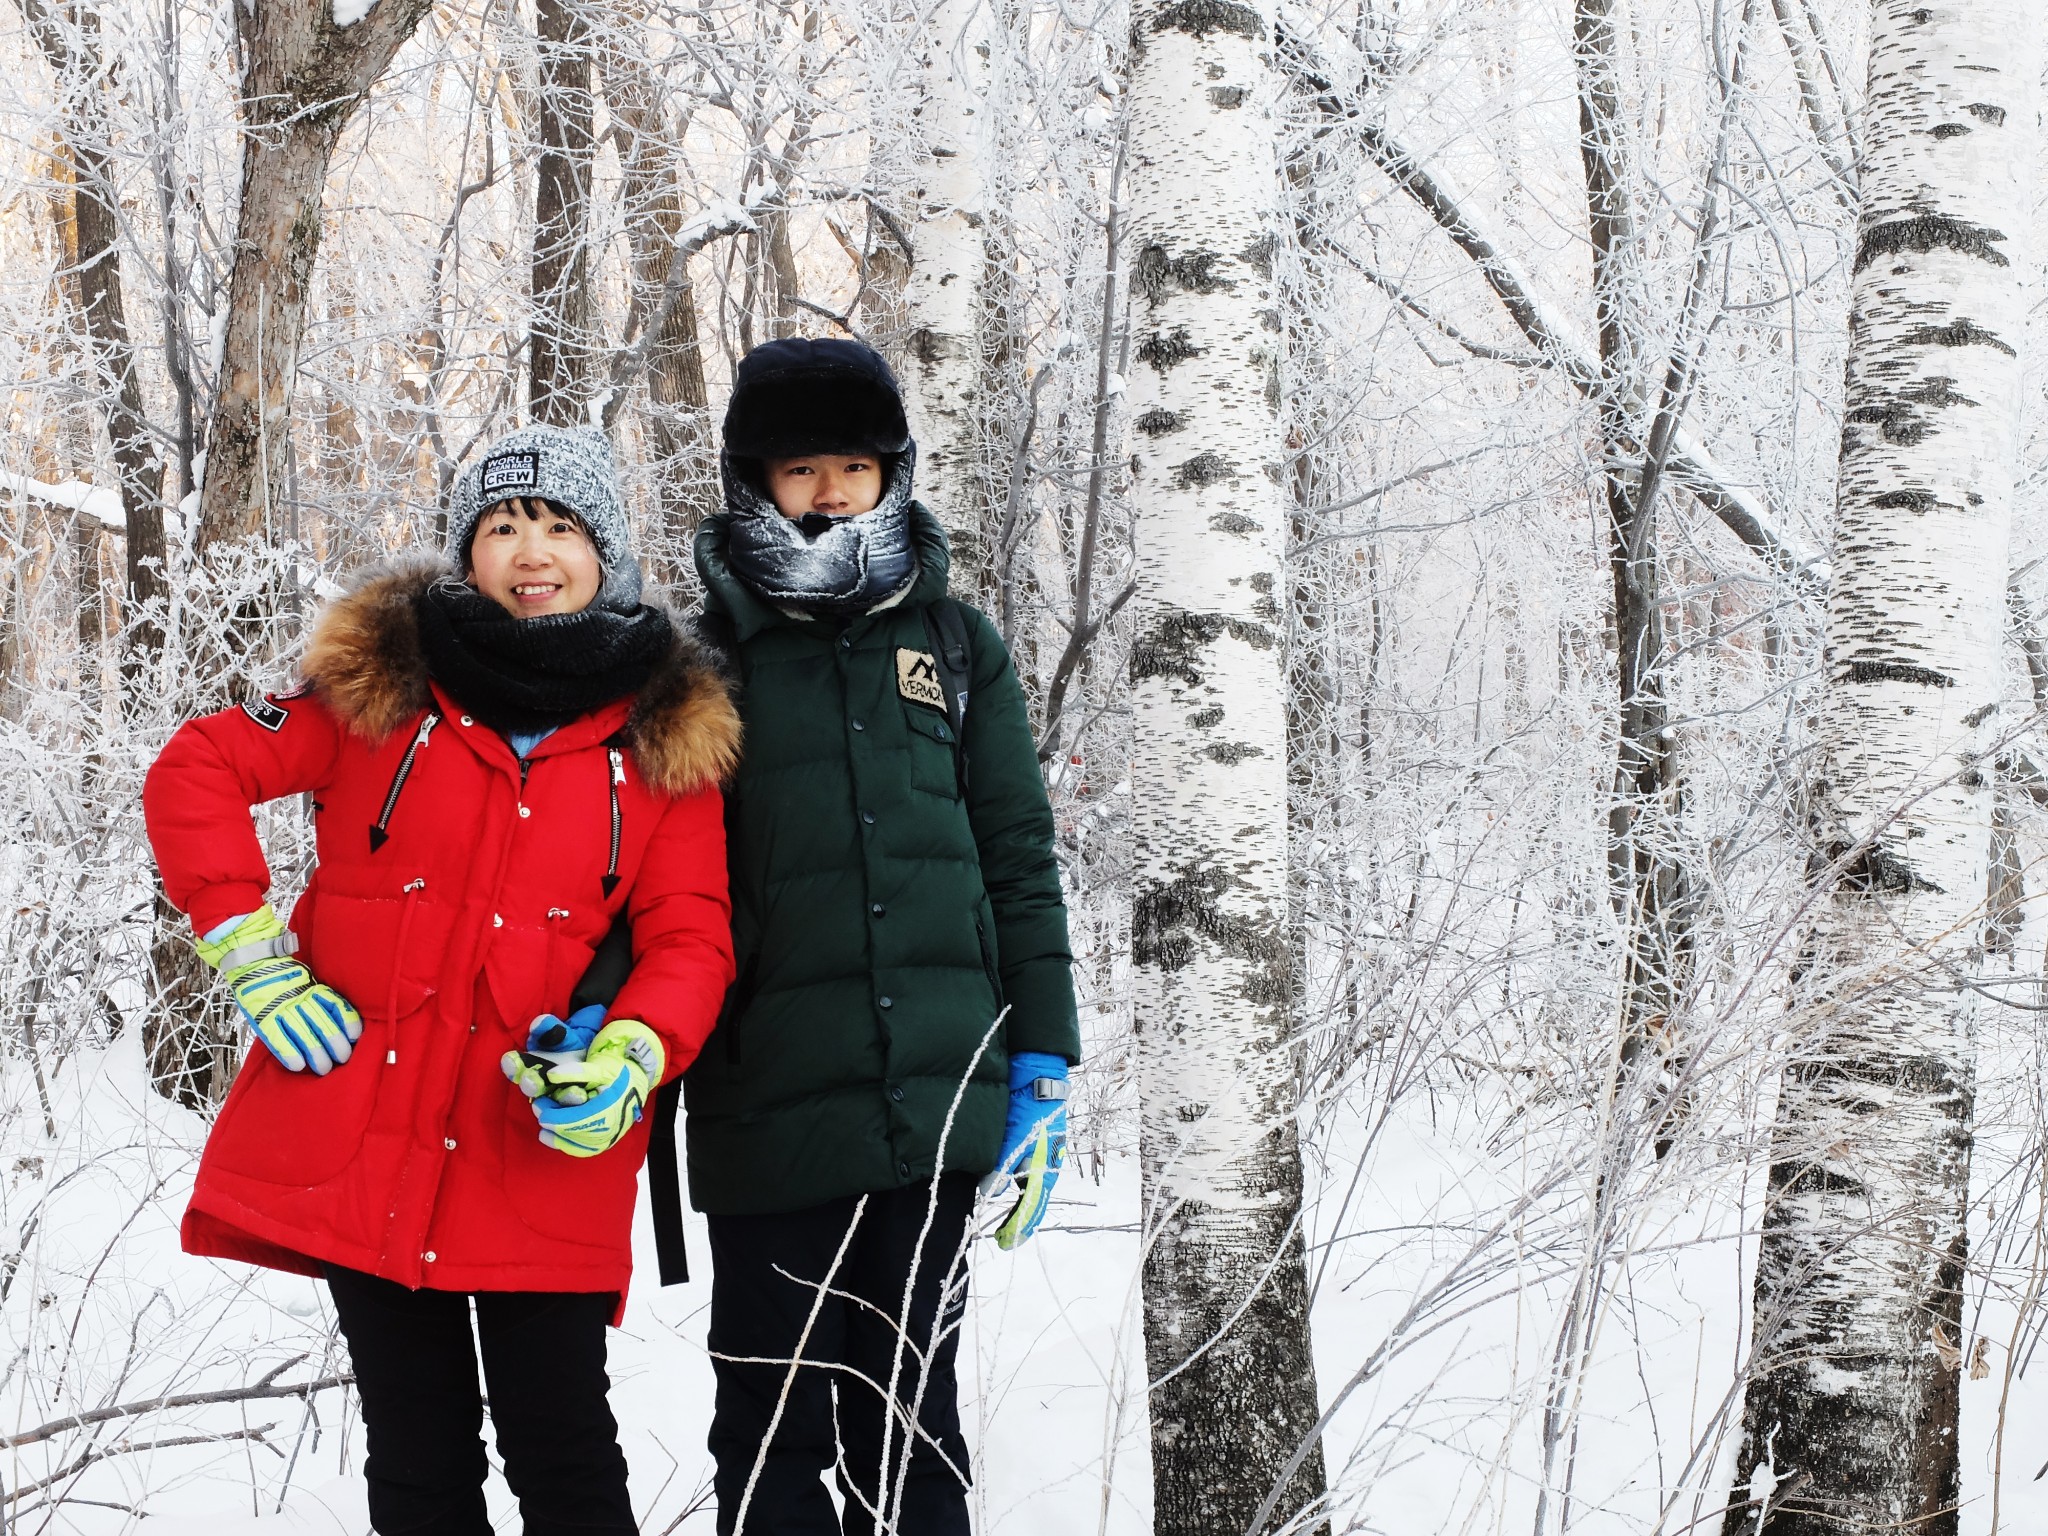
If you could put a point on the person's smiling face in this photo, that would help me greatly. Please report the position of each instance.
(530, 559)
(836, 484)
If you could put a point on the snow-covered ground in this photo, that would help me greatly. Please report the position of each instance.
(1443, 1260)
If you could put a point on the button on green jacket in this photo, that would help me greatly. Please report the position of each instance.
(880, 920)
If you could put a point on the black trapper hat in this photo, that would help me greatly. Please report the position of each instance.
(805, 394)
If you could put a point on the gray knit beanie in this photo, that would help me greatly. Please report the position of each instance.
(569, 468)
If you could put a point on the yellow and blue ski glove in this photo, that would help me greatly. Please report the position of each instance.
(552, 1042)
(590, 1105)
(1034, 1142)
(304, 1023)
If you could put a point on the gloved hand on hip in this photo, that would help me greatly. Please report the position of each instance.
(303, 1023)
(1034, 1142)
(588, 1106)
(552, 1042)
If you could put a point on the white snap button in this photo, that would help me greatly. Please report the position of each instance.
(391, 1058)
(497, 921)
(428, 1255)
(467, 721)
(449, 1143)
(526, 810)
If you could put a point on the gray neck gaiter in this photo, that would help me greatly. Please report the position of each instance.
(844, 566)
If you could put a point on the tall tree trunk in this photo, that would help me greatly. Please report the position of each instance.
(1234, 1405)
(69, 38)
(304, 79)
(943, 352)
(1650, 885)
(561, 375)
(1851, 1421)
(678, 418)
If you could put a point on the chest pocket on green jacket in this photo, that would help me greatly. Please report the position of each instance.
(931, 753)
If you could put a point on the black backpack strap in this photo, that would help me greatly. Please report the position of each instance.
(945, 626)
(600, 983)
(716, 629)
(665, 1185)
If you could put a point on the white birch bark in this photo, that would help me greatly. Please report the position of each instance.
(1851, 1418)
(1226, 1325)
(942, 295)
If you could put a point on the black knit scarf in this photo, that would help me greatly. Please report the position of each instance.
(535, 674)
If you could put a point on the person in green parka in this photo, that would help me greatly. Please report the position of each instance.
(894, 892)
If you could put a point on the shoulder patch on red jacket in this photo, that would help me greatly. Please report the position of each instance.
(268, 712)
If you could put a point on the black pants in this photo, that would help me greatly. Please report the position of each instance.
(765, 1275)
(543, 1357)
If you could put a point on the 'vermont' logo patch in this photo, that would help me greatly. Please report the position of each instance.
(917, 678)
(511, 472)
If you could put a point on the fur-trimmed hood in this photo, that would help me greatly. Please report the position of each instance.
(366, 663)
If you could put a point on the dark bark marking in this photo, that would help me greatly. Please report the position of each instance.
(1898, 418)
(1985, 112)
(1233, 522)
(1259, 255)
(1198, 18)
(1205, 468)
(1206, 719)
(1928, 232)
(1909, 501)
(1895, 672)
(1230, 753)
(1157, 423)
(1164, 350)
(1169, 916)
(1227, 98)
(1950, 130)
(1962, 332)
(1171, 647)
(1194, 272)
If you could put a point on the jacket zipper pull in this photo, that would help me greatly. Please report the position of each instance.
(618, 777)
(380, 830)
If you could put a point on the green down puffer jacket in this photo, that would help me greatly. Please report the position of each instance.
(880, 921)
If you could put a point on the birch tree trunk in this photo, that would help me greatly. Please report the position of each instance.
(560, 376)
(1226, 1308)
(305, 78)
(1851, 1418)
(942, 357)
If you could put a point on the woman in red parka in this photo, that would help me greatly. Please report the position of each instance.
(504, 752)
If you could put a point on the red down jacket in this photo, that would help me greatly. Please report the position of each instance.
(477, 908)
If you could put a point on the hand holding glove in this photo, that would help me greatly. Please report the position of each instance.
(1034, 1142)
(303, 1023)
(587, 1107)
(551, 1043)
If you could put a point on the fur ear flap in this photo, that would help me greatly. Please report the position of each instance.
(684, 732)
(365, 655)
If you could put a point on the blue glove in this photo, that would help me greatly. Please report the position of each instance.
(1034, 1142)
(552, 1042)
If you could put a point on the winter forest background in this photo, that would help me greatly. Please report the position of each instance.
(1402, 441)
